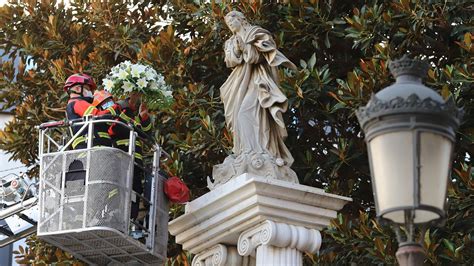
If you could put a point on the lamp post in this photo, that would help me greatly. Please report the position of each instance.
(410, 134)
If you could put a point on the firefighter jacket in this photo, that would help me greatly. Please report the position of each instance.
(80, 107)
(121, 135)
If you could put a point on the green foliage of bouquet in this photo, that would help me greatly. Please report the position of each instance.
(126, 77)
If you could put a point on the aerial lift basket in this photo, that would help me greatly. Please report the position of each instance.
(85, 198)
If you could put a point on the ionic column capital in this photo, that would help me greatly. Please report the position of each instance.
(215, 256)
(279, 235)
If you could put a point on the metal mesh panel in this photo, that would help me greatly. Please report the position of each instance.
(74, 190)
(119, 242)
(94, 249)
(99, 260)
(50, 218)
(107, 194)
(150, 259)
(109, 164)
(50, 199)
(112, 252)
(83, 236)
(91, 253)
(106, 234)
(72, 215)
(66, 213)
(162, 217)
(63, 241)
(105, 206)
(124, 259)
(76, 247)
(161, 237)
(98, 244)
(52, 167)
(133, 249)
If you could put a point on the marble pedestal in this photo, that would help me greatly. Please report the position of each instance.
(252, 220)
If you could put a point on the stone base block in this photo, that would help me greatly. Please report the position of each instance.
(247, 202)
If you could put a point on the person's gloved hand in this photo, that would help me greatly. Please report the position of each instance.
(134, 100)
(123, 104)
(143, 111)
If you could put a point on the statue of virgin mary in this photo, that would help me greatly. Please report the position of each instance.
(254, 105)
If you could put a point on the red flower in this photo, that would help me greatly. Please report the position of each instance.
(176, 190)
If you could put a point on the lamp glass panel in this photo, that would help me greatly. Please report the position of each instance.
(435, 155)
(392, 160)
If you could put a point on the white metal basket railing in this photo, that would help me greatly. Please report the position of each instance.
(85, 196)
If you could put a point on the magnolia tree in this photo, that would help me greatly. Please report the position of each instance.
(342, 49)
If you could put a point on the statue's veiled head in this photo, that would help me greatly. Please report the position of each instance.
(235, 20)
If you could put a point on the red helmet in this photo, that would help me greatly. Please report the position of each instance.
(79, 79)
(100, 97)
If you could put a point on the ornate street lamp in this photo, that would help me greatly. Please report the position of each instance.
(410, 134)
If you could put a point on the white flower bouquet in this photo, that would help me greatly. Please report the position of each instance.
(126, 77)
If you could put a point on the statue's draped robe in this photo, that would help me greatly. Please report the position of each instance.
(253, 102)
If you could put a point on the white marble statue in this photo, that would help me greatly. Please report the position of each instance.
(253, 105)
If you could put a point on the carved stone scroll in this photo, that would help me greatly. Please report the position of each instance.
(278, 241)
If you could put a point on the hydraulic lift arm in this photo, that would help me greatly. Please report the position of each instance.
(8, 235)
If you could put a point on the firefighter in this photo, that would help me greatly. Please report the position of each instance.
(136, 113)
(103, 100)
(80, 88)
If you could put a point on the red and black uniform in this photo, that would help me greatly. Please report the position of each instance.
(121, 138)
(80, 107)
(121, 135)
